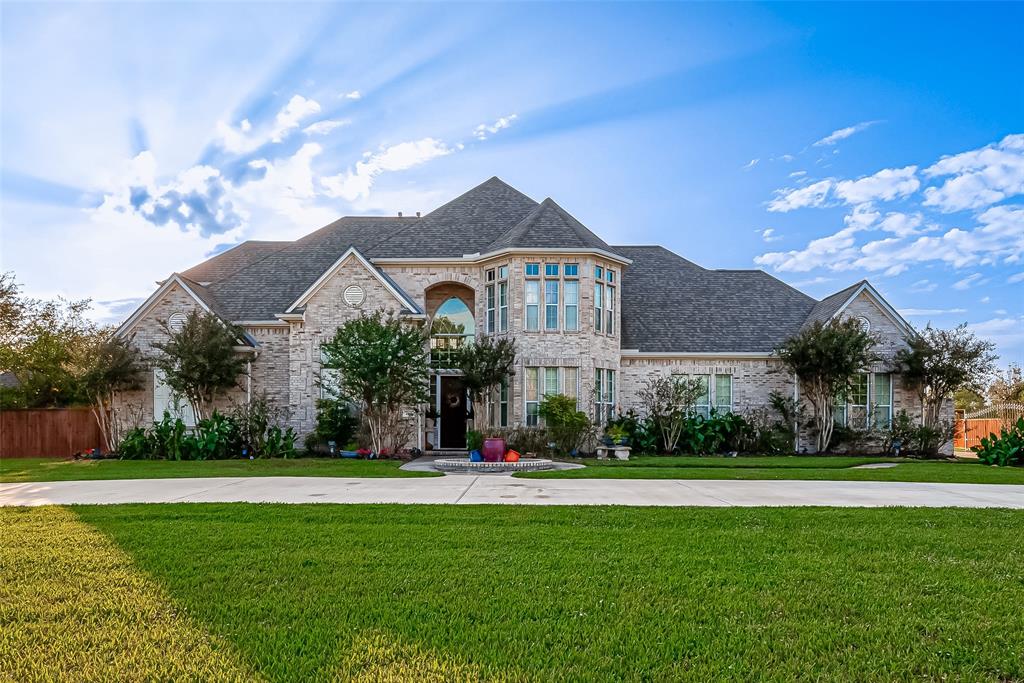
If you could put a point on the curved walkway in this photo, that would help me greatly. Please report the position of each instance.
(468, 489)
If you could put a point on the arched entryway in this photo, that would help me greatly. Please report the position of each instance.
(452, 325)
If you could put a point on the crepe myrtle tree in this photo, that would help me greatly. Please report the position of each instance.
(110, 365)
(383, 367)
(669, 402)
(485, 364)
(938, 363)
(200, 361)
(825, 357)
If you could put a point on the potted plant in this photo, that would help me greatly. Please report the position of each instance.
(616, 435)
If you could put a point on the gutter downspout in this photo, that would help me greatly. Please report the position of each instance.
(796, 419)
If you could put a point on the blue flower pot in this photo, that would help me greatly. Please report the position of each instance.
(474, 456)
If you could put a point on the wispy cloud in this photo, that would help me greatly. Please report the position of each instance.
(768, 235)
(918, 312)
(923, 286)
(968, 282)
(357, 181)
(886, 185)
(245, 137)
(484, 129)
(790, 199)
(350, 95)
(325, 127)
(1015, 278)
(843, 133)
(749, 165)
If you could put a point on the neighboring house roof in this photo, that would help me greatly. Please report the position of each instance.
(232, 260)
(548, 226)
(671, 305)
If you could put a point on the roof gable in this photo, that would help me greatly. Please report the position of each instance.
(194, 290)
(832, 306)
(548, 226)
(354, 254)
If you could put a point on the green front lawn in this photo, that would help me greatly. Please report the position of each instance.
(835, 468)
(285, 593)
(50, 469)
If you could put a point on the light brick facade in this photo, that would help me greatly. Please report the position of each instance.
(286, 361)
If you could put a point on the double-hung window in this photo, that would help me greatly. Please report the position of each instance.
(703, 405)
(598, 304)
(532, 396)
(550, 304)
(881, 396)
(489, 293)
(503, 299)
(610, 309)
(604, 395)
(532, 305)
(572, 304)
(868, 402)
(571, 383)
(497, 406)
(550, 381)
(723, 394)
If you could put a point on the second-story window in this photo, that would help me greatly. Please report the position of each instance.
(503, 306)
(609, 308)
(572, 305)
(598, 304)
(489, 295)
(532, 305)
(550, 304)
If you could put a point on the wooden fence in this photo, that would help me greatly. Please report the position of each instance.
(972, 427)
(48, 433)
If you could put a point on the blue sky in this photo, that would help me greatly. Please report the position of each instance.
(823, 143)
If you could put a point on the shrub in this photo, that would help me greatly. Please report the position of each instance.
(474, 440)
(135, 445)
(525, 439)
(567, 427)
(641, 432)
(1005, 449)
(334, 422)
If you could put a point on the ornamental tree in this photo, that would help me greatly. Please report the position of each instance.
(938, 363)
(200, 361)
(669, 401)
(485, 365)
(383, 367)
(110, 365)
(826, 357)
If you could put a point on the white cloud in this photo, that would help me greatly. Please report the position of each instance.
(913, 312)
(797, 174)
(862, 217)
(820, 252)
(1005, 332)
(1015, 278)
(324, 127)
(886, 185)
(819, 280)
(749, 165)
(351, 95)
(298, 108)
(901, 224)
(483, 130)
(768, 235)
(923, 286)
(980, 177)
(967, 282)
(356, 182)
(245, 138)
(985, 299)
(843, 133)
(789, 199)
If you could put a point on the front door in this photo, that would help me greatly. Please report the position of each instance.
(453, 412)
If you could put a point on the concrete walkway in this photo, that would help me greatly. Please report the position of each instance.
(502, 489)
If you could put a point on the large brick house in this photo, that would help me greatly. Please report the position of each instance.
(591, 320)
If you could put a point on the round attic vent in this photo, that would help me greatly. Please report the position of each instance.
(865, 324)
(176, 322)
(354, 295)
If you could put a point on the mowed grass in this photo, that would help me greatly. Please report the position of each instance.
(51, 469)
(523, 593)
(836, 468)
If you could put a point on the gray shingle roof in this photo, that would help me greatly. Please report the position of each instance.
(548, 226)
(233, 260)
(670, 304)
(827, 307)
(272, 284)
(465, 225)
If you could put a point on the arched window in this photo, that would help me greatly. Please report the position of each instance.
(452, 327)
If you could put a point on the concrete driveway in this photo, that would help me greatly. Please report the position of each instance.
(502, 489)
